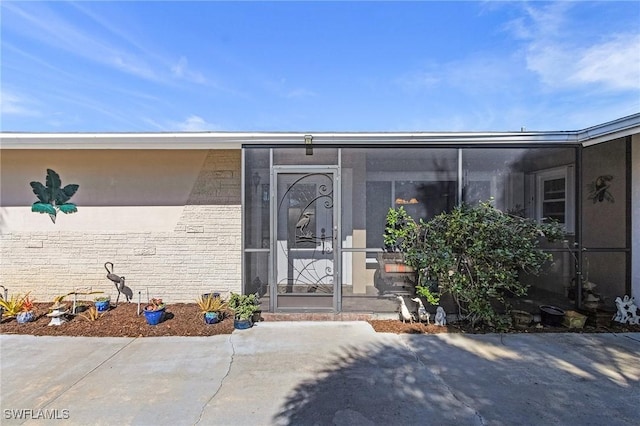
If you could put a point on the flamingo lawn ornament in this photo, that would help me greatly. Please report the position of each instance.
(441, 316)
(405, 315)
(423, 315)
(119, 283)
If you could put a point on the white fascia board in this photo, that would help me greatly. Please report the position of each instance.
(450, 138)
(235, 140)
(625, 126)
(225, 140)
(114, 141)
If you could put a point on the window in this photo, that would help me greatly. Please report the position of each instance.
(554, 196)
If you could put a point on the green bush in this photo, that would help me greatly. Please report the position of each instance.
(244, 305)
(476, 254)
(398, 230)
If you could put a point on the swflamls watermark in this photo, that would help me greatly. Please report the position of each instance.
(37, 414)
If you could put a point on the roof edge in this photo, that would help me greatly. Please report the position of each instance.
(235, 140)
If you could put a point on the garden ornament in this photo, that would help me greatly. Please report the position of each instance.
(405, 315)
(53, 197)
(441, 316)
(423, 315)
(119, 283)
(627, 311)
(57, 314)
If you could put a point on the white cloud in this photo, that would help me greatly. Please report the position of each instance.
(418, 81)
(562, 57)
(615, 63)
(41, 23)
(195, 123)
(181, 70)
(480, 74)
(123, 52)
(13, 104)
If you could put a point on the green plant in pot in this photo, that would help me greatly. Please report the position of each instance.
(102, 303)
(244, 307)
(154, 311)
(398, 230)
(212, 307)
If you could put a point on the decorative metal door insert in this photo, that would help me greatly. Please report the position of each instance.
(305, 264)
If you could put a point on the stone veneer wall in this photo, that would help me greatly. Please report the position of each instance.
(202, 252)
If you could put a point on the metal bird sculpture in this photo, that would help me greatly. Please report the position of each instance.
(599, 189)
(119, 283)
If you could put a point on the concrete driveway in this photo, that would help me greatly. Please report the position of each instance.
(322, 373)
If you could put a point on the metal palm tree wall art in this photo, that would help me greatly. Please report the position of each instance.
(53, 197)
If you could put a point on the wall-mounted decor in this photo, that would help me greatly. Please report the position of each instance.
(52, 197)
(599, 189)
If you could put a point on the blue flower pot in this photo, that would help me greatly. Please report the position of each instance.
(154, 317)
(24, 317)
(242, 324)
(211, 317)
(102, 305)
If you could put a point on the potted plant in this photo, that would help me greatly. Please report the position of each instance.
(244, 306)
(154, 311)
(398, 230)
(12, 306)
(102, 303)
(27, 314)
(394, 274)
(211, 307)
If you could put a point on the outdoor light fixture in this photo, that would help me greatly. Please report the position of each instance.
(308, 139)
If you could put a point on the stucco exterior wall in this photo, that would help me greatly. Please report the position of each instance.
(170, 221)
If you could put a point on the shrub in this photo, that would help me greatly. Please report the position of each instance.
(398, 229)
(476, 254)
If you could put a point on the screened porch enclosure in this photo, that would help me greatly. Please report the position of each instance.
(537, 182)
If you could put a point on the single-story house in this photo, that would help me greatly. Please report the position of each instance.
(299, 217)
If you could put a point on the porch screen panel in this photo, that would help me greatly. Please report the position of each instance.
(256, 199)
(605, 229)
(535, 183)
(422, 180)
(257, 219)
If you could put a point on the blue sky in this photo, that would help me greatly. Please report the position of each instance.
(317, 66)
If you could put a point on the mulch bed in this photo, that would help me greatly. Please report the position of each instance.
(181, 319)
(398, 327)
(185, 319)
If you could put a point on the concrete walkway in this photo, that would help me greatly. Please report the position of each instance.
(322, 373)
